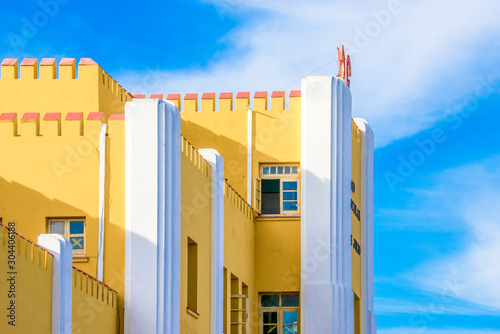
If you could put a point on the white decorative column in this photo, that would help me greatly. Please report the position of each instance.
(217, 236)
(369, 325)
(62, 251)
(327, 301)
(152, 217)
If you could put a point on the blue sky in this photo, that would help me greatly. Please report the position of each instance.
(425, 76)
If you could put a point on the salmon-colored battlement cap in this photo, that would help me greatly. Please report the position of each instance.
(9, 62)
(87, 61)
(173, 96)
(243, 95)
(260, 94)
(47, 61)
(74, 116)
(93, 116)
(208, 96)
(30, 116)
(295, 93)
(226, 96)
(67, 61)
(28, 62)
(278, 93)
(138, 96)
(8, 116)
(117, 117)
(156, 96)
(191, 96)
(52, 116)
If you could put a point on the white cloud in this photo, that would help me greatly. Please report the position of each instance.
(424, 330)
(471, 273)
(426, 58)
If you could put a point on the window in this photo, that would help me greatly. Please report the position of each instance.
(192, 276)
(72, 230)
(277, 190)
(279, 313)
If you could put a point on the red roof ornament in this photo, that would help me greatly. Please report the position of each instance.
(344, 66)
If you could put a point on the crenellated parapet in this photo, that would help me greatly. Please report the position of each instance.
(192, 102)
(45, 86)
(52, 124)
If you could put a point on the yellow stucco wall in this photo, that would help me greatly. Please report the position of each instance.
(195, 224)
(31, 291)
(356, 207)
(239, 247)
(82, 88)
(94, 308)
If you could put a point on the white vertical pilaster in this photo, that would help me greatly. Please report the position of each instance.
(249, 154)
(327, 301)
(102, 189)
(217, 237)
(152, 217)
(369, 325)
(62, 251)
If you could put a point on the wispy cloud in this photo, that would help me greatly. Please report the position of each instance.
(408, 68)
(411, 330)
(472, 271)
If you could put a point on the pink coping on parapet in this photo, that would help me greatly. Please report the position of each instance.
(9, 62)
(208, 96)
(173, 96)
(191, 96)
(226, 96)
(117, 117)
(74, 116)
(156, 96)
(30, 116)
(295, 93)
(47, 61)
(243, 95)
(138, 96)
(278, 93)
(260, 94)
(52, 116)
(8, 116)
(28, 62)
(87, 61)
(67, 61)
(95, 116)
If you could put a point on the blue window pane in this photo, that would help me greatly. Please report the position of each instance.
(76, 228)
(77, 243)
(290, 206)
(295, 170)
(287, 185)
(273, 170)
(280, 170)
(57, 227)
(290, 196)
(287, 170)
(265, 170)
(289, 317)
(290, 329)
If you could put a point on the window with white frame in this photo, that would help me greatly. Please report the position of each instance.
(277, 190)
(72, 229)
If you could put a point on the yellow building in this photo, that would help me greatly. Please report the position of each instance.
(258, 219)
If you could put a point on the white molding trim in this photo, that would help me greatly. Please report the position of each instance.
(152, 217)
(217, 239)
(368, 326)
(327, 301)
(249, 155)
(62, 273)
(102, 190)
